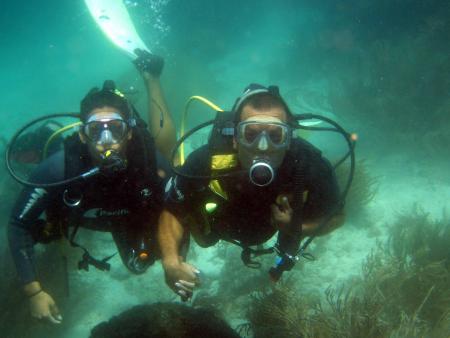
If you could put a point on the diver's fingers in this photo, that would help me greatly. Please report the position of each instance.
(52, 319)
(185, 296)
(185, 286)
(196, 274)
(54, 313)
(181, 289)
(286, 207)
(48, 317)
(194, 269)
(191, 271)
(275, 208)
(54, 309)
(276, 212)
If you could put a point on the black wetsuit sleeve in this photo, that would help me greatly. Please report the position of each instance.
(182, 192)
(24, 221)
(323, 190)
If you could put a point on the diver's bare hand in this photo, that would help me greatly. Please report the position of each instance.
(42, 306)
(182, 278)
(281, 212)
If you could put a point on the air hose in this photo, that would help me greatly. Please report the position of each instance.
(8, 154)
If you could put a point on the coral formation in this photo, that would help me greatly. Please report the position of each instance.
(277, 312)
(164, 320)
(403, 292)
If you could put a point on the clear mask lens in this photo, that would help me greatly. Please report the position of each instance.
(250, 132)
(102, 132)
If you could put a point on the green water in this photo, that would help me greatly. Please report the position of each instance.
(381, 68)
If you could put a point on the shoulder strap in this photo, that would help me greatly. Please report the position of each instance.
(221, 139)
(222, 155)
(143, 163)
(289, 240)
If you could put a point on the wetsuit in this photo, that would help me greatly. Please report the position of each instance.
(244, 214)
(115, 204)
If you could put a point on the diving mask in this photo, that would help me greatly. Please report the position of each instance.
(263, 135)
(263, 142)
(108, 129)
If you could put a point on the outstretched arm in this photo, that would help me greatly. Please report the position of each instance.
(162, 127)
(170, 234)
(181, 277)
(22, 225)
(181, 196)
(24, 229)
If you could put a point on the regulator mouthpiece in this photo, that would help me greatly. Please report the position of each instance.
(112, 163)
(261, 173)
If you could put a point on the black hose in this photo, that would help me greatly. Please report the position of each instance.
(346, 135)
(42, 185)
(351, 154)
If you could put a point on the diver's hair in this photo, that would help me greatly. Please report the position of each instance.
(263, 101)
(101, 98)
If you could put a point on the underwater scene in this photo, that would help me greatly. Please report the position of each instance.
(307, 195)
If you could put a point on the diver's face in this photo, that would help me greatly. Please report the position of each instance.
(262, 140)
(105, 129)
(262, 134)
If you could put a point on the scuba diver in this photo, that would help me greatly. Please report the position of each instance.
(252, 180)
(120, 190)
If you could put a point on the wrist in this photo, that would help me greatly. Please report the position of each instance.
(32, 288)
(38, 292)
(170, 262)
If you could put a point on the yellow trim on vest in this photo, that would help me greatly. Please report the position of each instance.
(220, 162)
(216, 188)
(210, 207)
(226, 161)
(305, 196)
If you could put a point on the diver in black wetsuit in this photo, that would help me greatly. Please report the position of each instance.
(124, 198)
(270, 182)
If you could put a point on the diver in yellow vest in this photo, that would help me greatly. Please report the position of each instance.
(263, 182)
